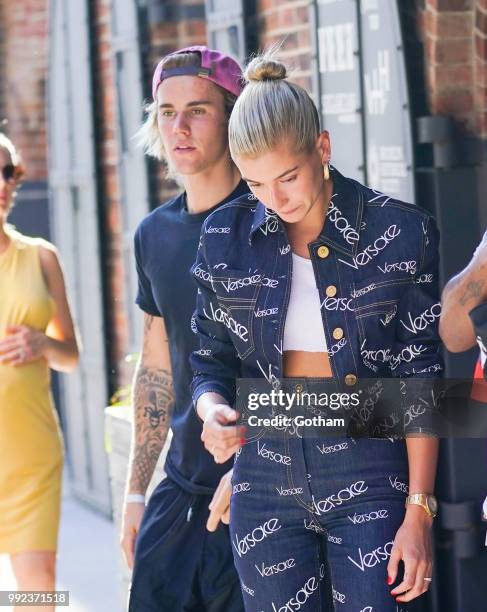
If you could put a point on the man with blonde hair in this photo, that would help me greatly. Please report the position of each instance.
(180, 552)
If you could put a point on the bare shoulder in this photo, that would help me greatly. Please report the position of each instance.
(50, 263)
(48, 254)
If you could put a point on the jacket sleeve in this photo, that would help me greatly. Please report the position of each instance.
(416, 354)
(216, 365)
(479, 319)
(417, 348)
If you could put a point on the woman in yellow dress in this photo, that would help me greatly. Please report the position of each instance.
(36, 333)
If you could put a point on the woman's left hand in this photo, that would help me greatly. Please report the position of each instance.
(22, 344)
(413, 546)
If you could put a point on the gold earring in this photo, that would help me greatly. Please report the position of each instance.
(326, 171)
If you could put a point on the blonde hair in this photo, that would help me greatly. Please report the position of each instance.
(271, 109)
(7, 145)
(148, 136)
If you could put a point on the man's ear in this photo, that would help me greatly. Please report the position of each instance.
(323, 146)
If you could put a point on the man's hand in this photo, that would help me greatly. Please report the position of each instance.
(220, 504)
(132, 517)
(220, 438)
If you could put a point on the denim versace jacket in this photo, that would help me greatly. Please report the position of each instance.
(376, 269)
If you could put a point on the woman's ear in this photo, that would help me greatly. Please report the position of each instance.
(324, 147)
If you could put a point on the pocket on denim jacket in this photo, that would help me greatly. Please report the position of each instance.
(379, 292)
(376, 300)
(237, 315)
(236, 292)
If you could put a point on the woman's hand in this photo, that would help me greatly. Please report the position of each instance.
(413, 546)
(221, 438)
(22, 344)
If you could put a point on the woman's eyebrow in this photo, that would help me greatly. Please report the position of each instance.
(249, 180)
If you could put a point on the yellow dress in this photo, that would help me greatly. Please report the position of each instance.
(31, 446)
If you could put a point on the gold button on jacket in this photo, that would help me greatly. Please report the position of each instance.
(350, 379)
(337, 333)
(323, 251)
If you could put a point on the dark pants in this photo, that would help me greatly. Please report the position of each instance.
(179, 565)
(313, 522)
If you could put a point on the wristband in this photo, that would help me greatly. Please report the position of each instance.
(134, 498)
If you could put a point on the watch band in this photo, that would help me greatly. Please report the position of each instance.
(421, 499)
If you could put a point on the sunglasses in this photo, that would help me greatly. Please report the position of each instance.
(9, 173)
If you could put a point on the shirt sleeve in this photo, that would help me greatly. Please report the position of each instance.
(216, 365)
(144, 298)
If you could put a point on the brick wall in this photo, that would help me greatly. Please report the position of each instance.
(288, 22)
(454, 33)
(480, 67)
(176, 25)
(23, 72)
(3, 62)
(107, 154)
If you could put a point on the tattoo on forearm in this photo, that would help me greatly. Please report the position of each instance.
(474, 290)
(153, 405)
(148, 320)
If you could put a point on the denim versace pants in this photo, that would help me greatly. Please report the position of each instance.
(313, 522)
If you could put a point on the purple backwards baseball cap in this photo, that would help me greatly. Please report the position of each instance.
(215, 66)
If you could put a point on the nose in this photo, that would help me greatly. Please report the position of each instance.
(181, 125)
(277, 198)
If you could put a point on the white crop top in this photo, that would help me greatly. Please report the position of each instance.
(303, 330)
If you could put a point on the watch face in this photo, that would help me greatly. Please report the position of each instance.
(432, 504)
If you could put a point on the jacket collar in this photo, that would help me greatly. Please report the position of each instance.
(343, 222)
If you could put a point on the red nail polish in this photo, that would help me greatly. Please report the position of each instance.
(389, 580)
(242, 441)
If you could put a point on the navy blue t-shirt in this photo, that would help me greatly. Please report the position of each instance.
(166, 242)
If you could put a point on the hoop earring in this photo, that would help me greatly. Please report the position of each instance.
(326, 171)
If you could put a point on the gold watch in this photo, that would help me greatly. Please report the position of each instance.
(426, 501)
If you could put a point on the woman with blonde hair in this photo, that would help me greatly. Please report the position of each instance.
(36, 333)
(298, 283)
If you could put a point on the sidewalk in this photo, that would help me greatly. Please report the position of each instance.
(88, 564)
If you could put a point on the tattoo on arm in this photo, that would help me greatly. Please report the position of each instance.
(474, 290)
(148, 320)
(153, 405)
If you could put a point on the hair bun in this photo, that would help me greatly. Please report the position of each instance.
(265, 69)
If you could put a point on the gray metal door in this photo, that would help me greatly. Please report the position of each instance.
(226, 27)
(132, 167)
(75, 231)
(363, 92)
